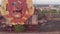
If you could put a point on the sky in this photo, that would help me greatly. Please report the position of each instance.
(44, 1)
(0, 1)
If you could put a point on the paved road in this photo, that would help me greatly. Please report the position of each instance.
(18, 33)
(33, 33)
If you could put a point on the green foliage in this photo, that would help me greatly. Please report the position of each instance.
(19, 28)
(40, 14)
(58, 11)
(50, 11)
(53, 11)
(45, 11)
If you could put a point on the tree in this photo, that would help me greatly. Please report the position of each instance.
(19, 28)
(53, 11)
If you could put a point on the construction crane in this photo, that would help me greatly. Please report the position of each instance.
(16, 11)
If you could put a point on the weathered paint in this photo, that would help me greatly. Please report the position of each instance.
(18, 11)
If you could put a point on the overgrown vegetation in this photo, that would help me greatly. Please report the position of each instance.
(19, 28)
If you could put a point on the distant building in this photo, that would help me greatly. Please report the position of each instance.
(41, 7)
